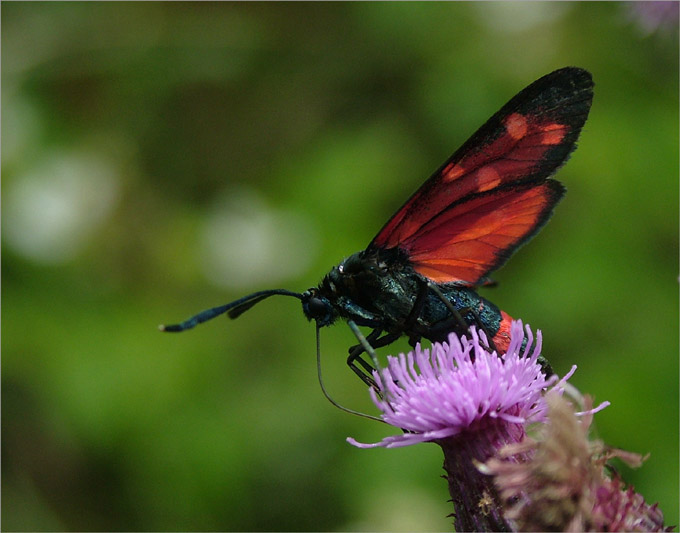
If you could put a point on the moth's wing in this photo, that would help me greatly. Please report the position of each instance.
(464, 214)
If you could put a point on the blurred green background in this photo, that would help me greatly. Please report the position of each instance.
(161, 158)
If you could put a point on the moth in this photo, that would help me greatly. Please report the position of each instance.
(419, 275)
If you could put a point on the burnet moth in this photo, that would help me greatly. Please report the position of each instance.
(418, 275)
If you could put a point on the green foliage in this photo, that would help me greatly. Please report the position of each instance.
(136, 136)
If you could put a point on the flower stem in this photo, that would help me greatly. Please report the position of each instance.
(477, 506)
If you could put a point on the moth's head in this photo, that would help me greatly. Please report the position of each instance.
(318, 307)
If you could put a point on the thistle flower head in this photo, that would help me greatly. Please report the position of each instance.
(461, 385)
(477, 405)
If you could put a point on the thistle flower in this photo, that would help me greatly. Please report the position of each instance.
(477, 406)
(471, 402)
(564, 486)
(460, 387)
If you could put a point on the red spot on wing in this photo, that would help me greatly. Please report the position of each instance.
(505, 160)
(516, 125)
(488, 178)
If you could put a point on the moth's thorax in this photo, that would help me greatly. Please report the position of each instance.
(370, 286)
(354, 272)
(360, 277)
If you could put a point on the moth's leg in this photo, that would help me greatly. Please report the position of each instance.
(545, 366)
(413, 340)
(359, 366)
(323, 387)
(356, 351)
(417, 308)
(375, 341)
(370, 349)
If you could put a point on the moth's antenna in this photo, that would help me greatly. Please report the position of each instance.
(235, 309)
(323, 388)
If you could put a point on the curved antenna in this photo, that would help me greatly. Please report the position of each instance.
(234, 309)
(323, 388)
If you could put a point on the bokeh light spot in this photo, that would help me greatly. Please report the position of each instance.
(53, 209)
(248, 243)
